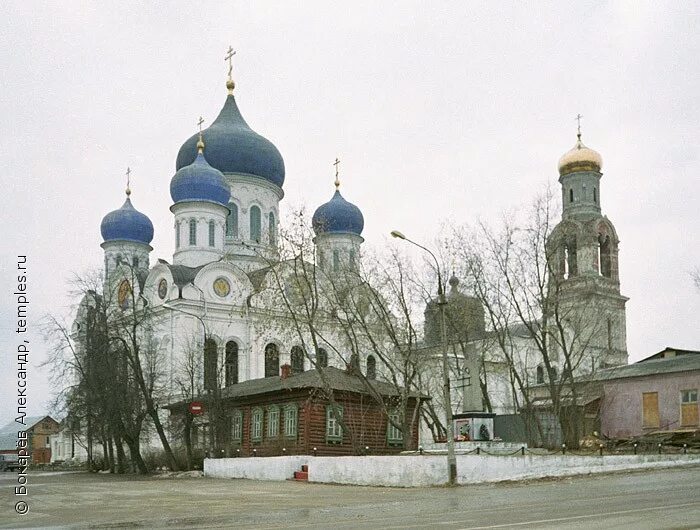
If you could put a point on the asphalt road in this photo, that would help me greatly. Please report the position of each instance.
(639, 500)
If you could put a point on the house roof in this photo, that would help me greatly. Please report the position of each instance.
(667, 365)
(338, 380)
(669, 352)
(8, 441)
(29, 422)
(8, 433)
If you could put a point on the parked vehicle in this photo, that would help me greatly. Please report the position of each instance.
(9, 462)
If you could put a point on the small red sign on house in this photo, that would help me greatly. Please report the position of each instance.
(196, 407)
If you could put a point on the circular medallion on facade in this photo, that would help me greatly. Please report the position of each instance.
(222, 287)
(163, 289)
(124, 294)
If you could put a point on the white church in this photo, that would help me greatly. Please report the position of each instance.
(225, 197)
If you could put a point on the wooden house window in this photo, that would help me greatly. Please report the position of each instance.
(334, 431)
(650, 409)
(237, 426)
(689, 408)
(256, 424)
(273, 421)
(290, 421)
(394, 435)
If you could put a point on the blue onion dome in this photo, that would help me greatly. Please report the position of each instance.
(127, 224)
(338, 216)
(233, 147)
(199, 181)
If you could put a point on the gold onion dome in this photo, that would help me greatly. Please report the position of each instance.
(580, 158)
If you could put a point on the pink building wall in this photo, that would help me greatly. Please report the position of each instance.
(621, 411)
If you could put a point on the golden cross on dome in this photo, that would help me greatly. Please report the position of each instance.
(229, 57)
(128, 181)
(578, 119)
(200, 142)
(336, 164)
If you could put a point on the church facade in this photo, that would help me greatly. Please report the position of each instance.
(216, 302)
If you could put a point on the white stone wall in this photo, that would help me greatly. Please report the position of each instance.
(429, 470)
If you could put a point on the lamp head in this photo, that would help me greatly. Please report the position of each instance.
(397, 234)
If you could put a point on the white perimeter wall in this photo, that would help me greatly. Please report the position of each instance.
(430, 470)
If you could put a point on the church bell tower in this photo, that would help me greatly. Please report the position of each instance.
(583, 253)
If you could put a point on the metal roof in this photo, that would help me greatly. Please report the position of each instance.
(338, 380)
(669, 365)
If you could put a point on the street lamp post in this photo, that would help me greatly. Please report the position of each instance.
(442, 303)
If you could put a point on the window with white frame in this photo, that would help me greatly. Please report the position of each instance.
(273, 421)
(256, 423)
(237, 426)
(255, 224)
(271, 226)
(193, 231)
(212, 234)
(334, 431)
(177, 234)
(290, 421)
(232, 220)
(394, 435)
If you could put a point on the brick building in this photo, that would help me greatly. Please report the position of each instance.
(39, 430)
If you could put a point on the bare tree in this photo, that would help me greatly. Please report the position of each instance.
(533, 320)
(354, 312)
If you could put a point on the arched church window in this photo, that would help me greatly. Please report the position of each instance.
(336, 260)
(255, 228)
(271, 229)
(231, 363)
(212, 234)
(571, 195)
(272, 360)
(570, 258)
(605, 256)
(371, 367)
(595, 196)
(352, 259)
(210, 363)
(297, 360)
(321, 358)
(232, 220)
(177, 234)
(193, 231)
(136, 262)
(540, 375)
(354, 363)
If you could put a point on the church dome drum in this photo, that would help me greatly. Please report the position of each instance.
(233, 147)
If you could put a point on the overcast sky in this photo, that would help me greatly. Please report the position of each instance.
(451, 112)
